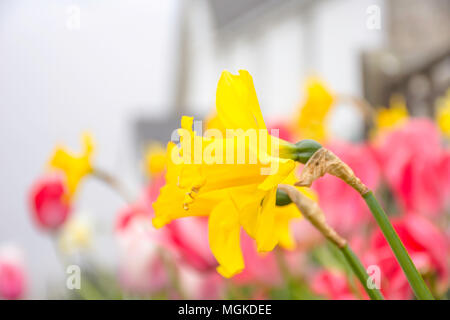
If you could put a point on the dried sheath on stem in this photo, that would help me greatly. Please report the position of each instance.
(313, 213)
(324, 161)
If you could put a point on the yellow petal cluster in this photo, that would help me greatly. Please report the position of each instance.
(74, 166)
(311, 123)
(155, 160)
(443, 114)
(396, 114)
(233, 195)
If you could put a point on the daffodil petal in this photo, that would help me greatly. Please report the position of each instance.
(236, 102)
(224, 239)
(284, 168)
(266, 237)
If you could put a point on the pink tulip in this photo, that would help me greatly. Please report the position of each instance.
(284, 131)
(12, 273)
(188, 239)
(141, 267)
(254, 272)
(48, 202)
(426, 245)
(445, 170)
(342, 205)
(332, 285)
(413, 163)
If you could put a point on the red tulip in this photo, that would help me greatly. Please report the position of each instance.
(48, 201)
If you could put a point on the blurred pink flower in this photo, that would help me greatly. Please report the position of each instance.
(259, 267)
(189, 240)
(186, 241)
(141, 267)
(445, 170)
(186, 238)
(342, 205)
(284, 131)
(332, 285)
(415, 166)
(12, 273)
(201, 285)
(427, 246)
(48, 202)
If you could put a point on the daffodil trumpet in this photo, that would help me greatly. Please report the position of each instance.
(324, 161)
(312, 212)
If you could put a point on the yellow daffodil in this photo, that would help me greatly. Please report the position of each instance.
(395, 115)
(443, 114)
(74, 166)
(311, 123)
(155, 160)
(233, 194)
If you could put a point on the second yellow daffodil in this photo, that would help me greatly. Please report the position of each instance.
(74, 166)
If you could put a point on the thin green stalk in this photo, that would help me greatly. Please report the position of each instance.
(312, 212)
(414, 278)
(360, 272)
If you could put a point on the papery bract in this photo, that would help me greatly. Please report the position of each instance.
(342, 205)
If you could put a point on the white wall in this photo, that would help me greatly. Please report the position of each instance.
(281, 50)
(56, 82)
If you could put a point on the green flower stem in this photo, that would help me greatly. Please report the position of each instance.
(360, 272)
(414, 278)
(312, 212)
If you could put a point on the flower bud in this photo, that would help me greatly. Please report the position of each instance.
(300, 151)
(305, 149)
(282, 198)
(48, 202)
